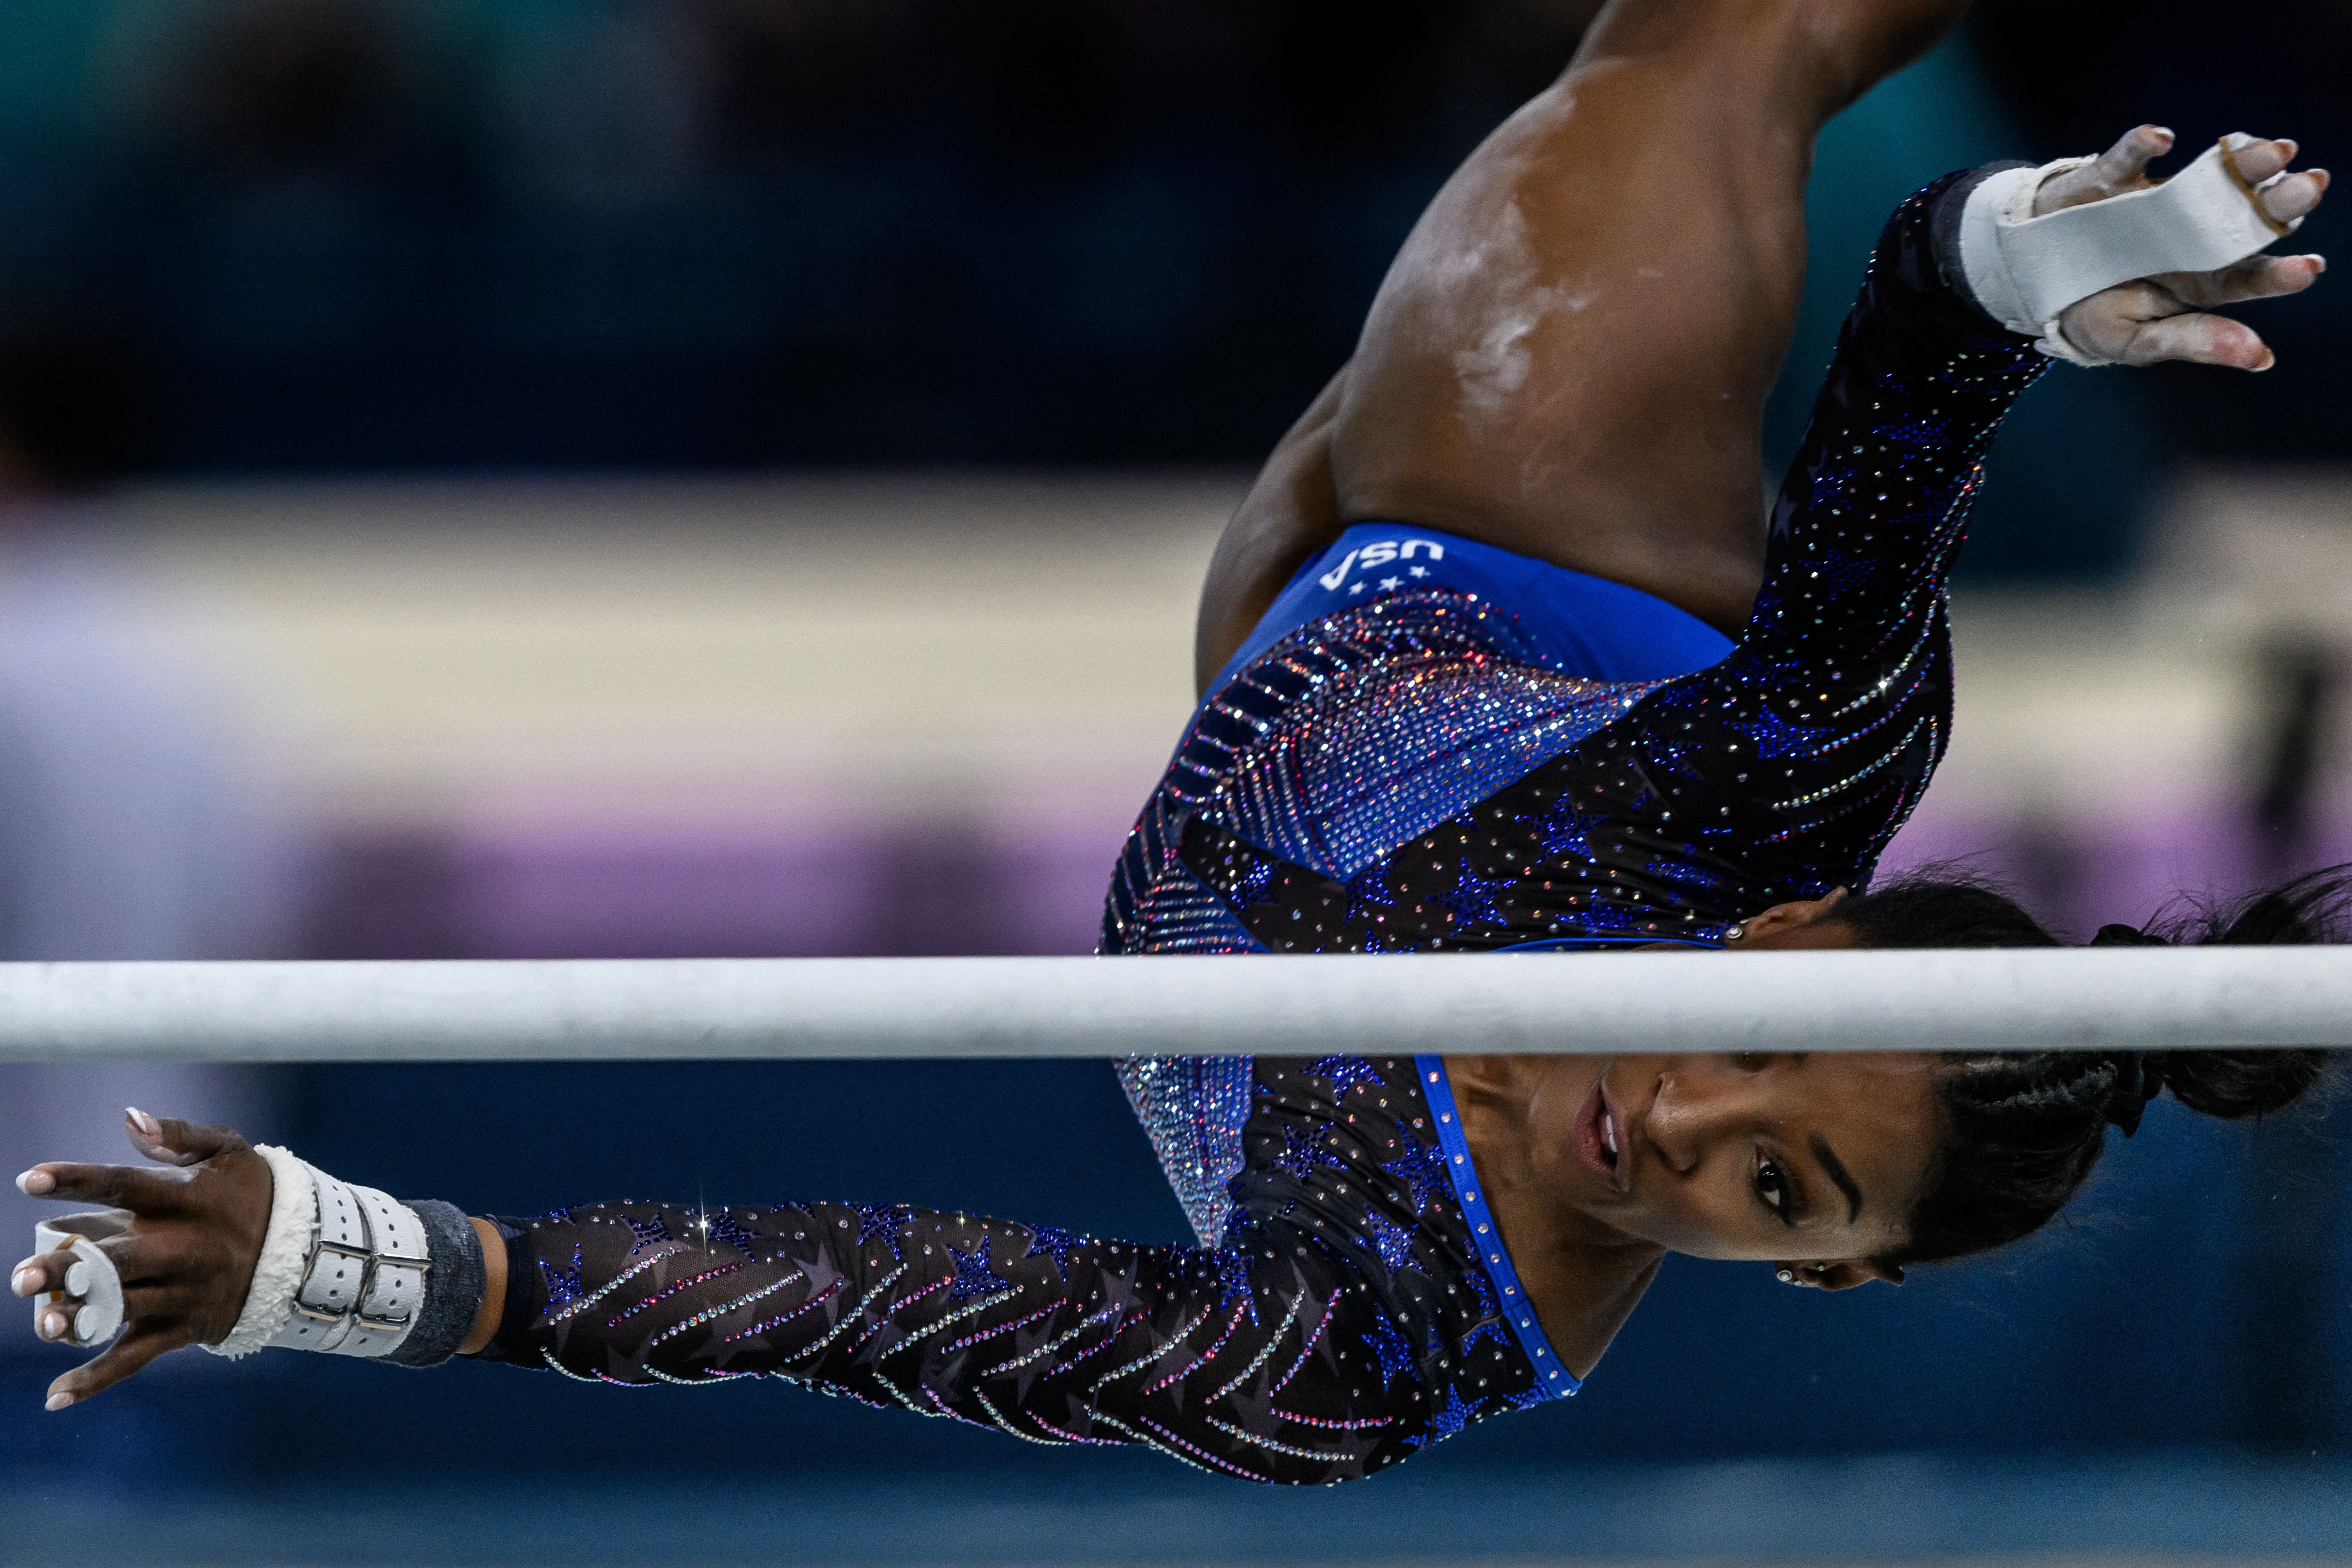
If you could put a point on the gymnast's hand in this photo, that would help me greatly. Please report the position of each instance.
(188, 1259)
(2169, 316)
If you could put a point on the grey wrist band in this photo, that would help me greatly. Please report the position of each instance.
(1943, 235)
(453, 1287)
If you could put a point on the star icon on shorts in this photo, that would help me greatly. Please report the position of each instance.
(1388, 582)
(1355, 587)
(1419, 571)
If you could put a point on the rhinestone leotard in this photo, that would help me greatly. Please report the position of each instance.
(1341, 1322)
(1421, 771)
(1417, 771)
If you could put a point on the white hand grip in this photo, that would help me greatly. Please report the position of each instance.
(91, 1279)
(2025, 270)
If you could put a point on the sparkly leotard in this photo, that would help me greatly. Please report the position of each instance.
(1426, 763)
(1421, 767)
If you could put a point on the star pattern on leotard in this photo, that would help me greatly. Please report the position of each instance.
(723, 1226)
(1368, 894)
(1047, 1241)
(974, 1274)
(563, 1285)
(1344, 1073)
(1303, 1152)
(1447, 1419)
(1473, 898)
(1564, 834)
(1493, 1329)
(882, 1223)
(1391, 1349)
(1421, 1169)
(1252, 885)
(1392, 1240)
(649, 1233)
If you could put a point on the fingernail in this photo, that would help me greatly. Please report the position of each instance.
(35, 1184)
(58, 1402)
(25, 1281)
(146, 1124)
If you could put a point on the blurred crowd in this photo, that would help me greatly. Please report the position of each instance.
(425, 233)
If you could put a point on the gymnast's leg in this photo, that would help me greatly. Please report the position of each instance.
(1570, 357)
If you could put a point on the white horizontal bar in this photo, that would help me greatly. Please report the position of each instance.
(2147, 998)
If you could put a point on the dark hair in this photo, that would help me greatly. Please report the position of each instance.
(2021, 1130)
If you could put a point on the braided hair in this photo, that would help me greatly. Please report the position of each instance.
(2021, 1130)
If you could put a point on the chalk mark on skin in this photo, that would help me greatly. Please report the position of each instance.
(1488, 294)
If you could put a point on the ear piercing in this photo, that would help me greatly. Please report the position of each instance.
(1785, 1276)
(1735, 933)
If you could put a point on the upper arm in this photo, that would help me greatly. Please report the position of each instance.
(1290, 514)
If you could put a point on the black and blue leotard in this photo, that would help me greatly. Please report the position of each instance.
(1429, 745)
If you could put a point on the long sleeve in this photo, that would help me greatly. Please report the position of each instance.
(1331, 1333)
(1810, 743)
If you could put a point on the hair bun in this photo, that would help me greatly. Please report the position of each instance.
(2238, 1084)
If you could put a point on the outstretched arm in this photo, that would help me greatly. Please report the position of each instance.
(1831, 715)
(1241, 1361)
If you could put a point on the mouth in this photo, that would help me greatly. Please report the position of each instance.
(1600, 1139)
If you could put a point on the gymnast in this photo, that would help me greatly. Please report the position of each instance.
(1501, 652)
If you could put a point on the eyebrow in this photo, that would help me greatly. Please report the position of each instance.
(1838, 1174)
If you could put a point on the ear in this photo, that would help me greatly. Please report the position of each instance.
(1843, 1276)
(1789, 917)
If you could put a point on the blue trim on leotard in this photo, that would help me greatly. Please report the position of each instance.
(1584, 626)
(1552, 1377)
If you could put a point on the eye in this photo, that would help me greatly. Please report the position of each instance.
(1772, 1188)
(1747, 1061)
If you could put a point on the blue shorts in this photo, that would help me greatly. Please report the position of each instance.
(1581, 626)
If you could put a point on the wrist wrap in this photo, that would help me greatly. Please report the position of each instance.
(342, 1269)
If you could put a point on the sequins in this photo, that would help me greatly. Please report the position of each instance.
(720, 1309)
(1412, 775)
(770, 1325)
(1193, 1108)
(674, 1288)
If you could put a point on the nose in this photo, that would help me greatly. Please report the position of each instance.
(1691, 1114)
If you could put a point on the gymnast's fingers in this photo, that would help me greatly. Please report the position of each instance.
(129, 1354)
(170, 1142)
(2257, 158)
(116, 1186)
(2122, 167)
(2256, 278)
(2199, 339)
(40, 1274)
(2286, 197)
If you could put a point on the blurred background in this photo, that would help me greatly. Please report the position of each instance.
(597, 477)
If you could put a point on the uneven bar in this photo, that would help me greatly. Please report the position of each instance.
(689, 1010)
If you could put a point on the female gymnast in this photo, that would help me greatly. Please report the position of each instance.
(1585, 696)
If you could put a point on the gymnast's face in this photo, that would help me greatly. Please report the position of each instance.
(1810, 1161)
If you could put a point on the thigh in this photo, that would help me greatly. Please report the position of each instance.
(1571, 355)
